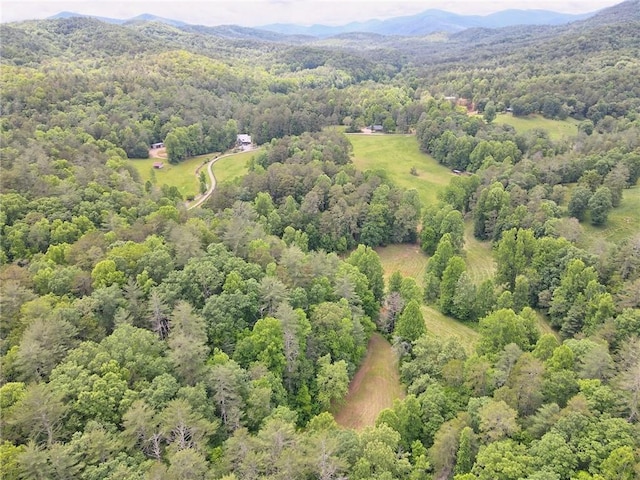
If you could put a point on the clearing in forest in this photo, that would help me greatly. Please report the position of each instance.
(374, 387)
(442, 327)
(406, 258)
(410, 261)
(233, 166)
(557, 129)
(623, 222)
(396, 155)
(181, 175)
(478, 256)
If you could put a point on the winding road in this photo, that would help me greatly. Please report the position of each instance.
(212, 179)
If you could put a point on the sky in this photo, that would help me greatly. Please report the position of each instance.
(253, 13)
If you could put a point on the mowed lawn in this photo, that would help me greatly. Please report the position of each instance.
(183, 175)
(233, 166)
(374, 387)
(557, 129)
(396, 154)
(478, 256)
(405, 258)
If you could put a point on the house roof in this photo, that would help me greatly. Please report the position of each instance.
(244, 138)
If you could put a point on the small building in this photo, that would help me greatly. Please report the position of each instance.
(158, 165)
(377, 128)
(157, 145)
(243, 139)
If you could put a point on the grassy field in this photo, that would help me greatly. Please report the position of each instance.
(479, 256)
(232, 166)
(374, 387)
(410, 261)
(406, 258)
(442, 327)
(182, 175)
(557, 128)
(396, 154)
(623, 221)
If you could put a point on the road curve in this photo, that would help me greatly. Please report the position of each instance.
(212, 179)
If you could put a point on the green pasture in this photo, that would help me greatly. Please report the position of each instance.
(623, 221)
(405, 258)
(396, 154)
(478, 256)
(233, 166)
(557, 129)
(181, 175)
(441, 326)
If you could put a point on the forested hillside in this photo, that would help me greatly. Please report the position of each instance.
(142, 340)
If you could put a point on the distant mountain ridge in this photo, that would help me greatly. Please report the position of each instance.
(431, 21)
(145, 17)
(424, 23)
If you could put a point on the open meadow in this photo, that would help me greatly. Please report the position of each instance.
(442, 326)
(181, 175)
(623, 222)
(374, 387)
(478, 256)
(396, 155)
(557, 129)
(405, 258)
(233, 166)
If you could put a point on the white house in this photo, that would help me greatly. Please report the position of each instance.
(243, 139)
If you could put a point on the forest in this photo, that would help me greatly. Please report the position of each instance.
(140, 339)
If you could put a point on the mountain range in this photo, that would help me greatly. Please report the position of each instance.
(424, 23)
(431, 21)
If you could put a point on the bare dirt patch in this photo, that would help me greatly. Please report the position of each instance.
(158, 153)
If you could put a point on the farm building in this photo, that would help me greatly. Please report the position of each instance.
(157, 145)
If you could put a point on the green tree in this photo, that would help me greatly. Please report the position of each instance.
(43, 345)
(332, 381)
(38, 415)
(187, 343)
(368, 262)
(489, 113)
(499, 329)
(265, 344)
(183, 428)
(621, 464)
(493, 204)
(497, 421)
(465, 456)
(455, 268)
(410, 325)
(503, 460)
(464, 301)
(599, 205)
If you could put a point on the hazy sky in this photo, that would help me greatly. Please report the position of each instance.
(261, 12)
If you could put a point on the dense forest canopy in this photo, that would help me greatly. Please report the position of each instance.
(143, 340)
